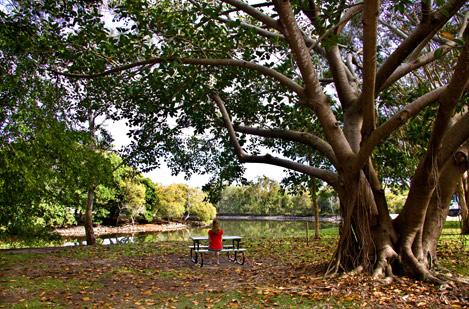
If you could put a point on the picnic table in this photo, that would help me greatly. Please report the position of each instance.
(233, 250)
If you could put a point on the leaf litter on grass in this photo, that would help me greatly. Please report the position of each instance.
(281, 273)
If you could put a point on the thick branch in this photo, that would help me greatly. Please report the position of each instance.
(426, 9)
(367, 98)
(329, 177)
(301, 137)
(344, 88)
(454, 138)
(284, 80)
(299, 50)
(449, 98)
(424, 181)
(424, 30)
(257, 5)
(316, 98)
(395, 122)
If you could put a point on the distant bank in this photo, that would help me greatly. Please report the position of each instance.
(333, 219)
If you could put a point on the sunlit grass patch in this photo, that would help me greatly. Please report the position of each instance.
(453, 253)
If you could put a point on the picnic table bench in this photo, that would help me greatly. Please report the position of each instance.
(233, 250)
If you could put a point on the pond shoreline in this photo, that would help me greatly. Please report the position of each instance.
(331, 219)
(79, 231)
(75, 236)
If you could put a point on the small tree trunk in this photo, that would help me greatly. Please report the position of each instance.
(314, 200)
(90, 237)
(463, 195)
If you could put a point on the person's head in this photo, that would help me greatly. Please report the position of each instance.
(215, 225)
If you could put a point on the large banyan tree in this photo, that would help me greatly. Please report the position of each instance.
(352, 93)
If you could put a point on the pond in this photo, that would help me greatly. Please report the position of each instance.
(246, 228)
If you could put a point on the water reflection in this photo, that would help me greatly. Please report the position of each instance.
(246, 228)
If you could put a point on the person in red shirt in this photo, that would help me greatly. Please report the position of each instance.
(215, 239)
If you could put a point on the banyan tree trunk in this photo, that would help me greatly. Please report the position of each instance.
(370, 240)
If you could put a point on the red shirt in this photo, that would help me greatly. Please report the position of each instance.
(214, 240)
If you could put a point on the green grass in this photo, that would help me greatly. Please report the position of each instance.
(44, 284)
(34, 304)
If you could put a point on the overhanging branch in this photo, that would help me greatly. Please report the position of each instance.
(295, 136)
(284, 80)
(328, 176)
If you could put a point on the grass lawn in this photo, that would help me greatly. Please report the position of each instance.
(280, 274)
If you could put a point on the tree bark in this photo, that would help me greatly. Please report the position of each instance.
(314, 200)
(437, 211)
(90, 237)
(463, 195)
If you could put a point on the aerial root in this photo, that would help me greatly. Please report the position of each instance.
(383, 266)
(358, 270)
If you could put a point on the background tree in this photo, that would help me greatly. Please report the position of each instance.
(178, 200)
(133, 200)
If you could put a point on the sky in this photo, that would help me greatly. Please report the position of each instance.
(163, 175)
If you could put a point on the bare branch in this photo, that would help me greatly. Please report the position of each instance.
(426, 29)
(349, 14)
(240, 153)
(284, 80)
(448, 100)
(407, 67)
(391, 125)
(329, 177)
(463, 25)
(256, 5)
(270, 22)
(259, 30)
(396, 31)
(255, 13)
(351, 66)
(301, 137)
